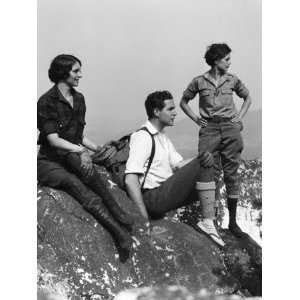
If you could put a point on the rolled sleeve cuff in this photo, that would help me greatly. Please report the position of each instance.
(134, 166)
(50, 127)
(176, 161)
(243, 93)
(191, 90)
(134, 171)
(188, 94)
(241, 89)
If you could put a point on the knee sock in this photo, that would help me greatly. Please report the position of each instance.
(233, 226)
(206, 195)
(232, 206)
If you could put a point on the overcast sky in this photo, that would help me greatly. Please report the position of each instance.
(131, 48)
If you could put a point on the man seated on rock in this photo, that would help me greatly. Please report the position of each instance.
(170, 182)
(64, 160)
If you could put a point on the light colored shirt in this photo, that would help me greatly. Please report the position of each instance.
(164, 161)
(216, 100)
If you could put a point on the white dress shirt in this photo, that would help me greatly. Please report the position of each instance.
(166, 158)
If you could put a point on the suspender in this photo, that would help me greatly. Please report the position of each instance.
(151, 155)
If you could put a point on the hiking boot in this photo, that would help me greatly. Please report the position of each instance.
(122, 238)
(97, 184)
(207, 226)
(236, 230)
(233, 226)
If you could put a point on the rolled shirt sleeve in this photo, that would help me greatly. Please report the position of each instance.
(191, 90)
(240, 89)
(139, 152)
(47, 119)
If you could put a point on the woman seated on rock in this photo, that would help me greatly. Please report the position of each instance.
(64, 160)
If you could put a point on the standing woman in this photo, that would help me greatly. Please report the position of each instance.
(219, 121)
(64, 161)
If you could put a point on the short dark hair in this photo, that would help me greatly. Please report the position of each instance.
(156, 100)
(61, 66)
(215, 52)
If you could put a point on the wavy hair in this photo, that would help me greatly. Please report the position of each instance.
(61, 66)
(215, 52)
(156, 100)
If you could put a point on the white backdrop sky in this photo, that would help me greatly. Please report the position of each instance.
(131, 48)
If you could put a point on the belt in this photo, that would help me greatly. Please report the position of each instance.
(217, 119)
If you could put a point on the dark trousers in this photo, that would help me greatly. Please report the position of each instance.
(55, 175)
(178, 190)
(223, 139)
(68, 175)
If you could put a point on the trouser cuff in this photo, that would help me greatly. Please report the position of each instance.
(200, 186)
(233, 196)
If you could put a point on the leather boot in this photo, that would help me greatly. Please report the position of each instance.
(94, 205)
(233, 226)
(97, 184)
(121, 236)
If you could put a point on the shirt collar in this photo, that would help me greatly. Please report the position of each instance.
(153, 130)
(58, 95)
(224, 78)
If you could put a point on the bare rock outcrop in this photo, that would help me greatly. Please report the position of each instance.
(77, 256)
